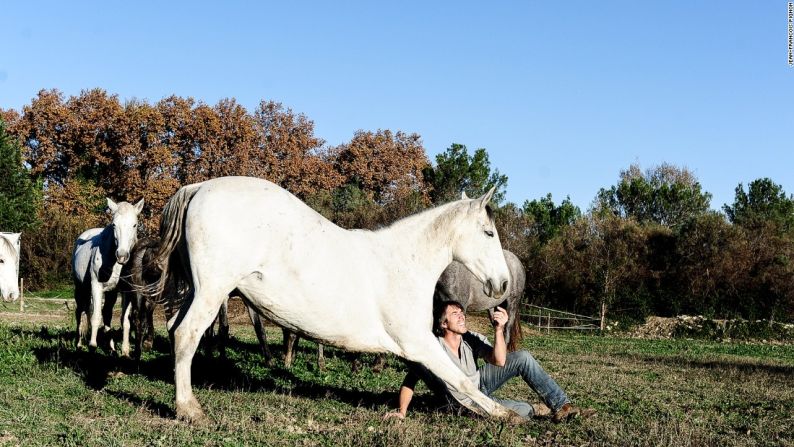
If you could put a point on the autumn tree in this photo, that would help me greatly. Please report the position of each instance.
(383, 178)
(289, 153)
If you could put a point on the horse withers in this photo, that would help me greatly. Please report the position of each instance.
(352, 289)
(9, 266)
(99, 254)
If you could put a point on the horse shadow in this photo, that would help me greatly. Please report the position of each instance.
(97, 368)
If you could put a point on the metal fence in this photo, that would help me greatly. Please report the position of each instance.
(547, 319)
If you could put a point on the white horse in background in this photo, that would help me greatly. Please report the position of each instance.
(99, 254)
(9, 266)
(359, 290)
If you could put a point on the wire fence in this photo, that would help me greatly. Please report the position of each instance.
(547, 319)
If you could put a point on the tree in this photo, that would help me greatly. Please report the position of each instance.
(20, 197)
(289, 154)
(386, 166)
(666, 195)
(455, 172)
(765, 201)
(548, 219)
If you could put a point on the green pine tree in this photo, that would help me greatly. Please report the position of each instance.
(19, 195)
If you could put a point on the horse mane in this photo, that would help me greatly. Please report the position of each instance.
(8, 246)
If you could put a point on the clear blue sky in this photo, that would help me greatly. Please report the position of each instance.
(562, 95)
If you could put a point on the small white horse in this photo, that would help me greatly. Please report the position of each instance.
(9, 266)
(99, 254)
(359, 290)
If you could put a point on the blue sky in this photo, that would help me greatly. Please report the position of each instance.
(562, 95)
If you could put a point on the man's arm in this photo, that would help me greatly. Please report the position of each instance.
(498, 355)
(404, 399)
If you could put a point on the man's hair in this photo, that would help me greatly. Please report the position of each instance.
(440, 315)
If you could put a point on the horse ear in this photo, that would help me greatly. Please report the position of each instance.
(112, 205)
(463, 195)
(139, 206)
(487, 197)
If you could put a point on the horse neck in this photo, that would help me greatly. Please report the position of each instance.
(108, 239)
(425, 238)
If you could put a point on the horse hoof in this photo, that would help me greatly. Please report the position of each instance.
(190, 412)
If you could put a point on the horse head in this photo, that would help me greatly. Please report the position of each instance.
(125, 227)
(9, 263)
(477, 245)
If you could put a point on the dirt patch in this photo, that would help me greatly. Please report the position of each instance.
(685, 326)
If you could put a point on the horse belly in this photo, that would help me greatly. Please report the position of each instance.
(318, 315)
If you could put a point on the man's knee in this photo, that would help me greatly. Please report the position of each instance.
(524, 358)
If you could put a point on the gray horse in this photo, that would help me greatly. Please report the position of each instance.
(458, 284)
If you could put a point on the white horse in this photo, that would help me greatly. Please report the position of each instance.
(99, 254)
(359, 290)
(9, 266)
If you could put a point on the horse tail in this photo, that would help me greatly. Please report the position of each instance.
(167, 259)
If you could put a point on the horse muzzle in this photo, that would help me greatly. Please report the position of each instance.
(493, 292)
(122, 256)
(11, 296)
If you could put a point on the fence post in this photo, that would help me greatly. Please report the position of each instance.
(603, 315)
(21, 294)
(548, 323)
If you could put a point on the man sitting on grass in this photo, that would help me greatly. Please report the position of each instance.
(465, 347)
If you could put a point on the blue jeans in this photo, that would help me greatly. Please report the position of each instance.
(521, 363)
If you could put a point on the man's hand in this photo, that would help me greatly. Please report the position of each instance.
(499, 318)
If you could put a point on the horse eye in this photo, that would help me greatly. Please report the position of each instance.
(2, 261)
(489, 233)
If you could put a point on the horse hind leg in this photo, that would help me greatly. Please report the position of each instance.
(259, 328)
(290, 341)
(186, 329)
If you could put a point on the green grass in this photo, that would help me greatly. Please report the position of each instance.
(647, 392)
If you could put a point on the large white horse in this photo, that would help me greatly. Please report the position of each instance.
(99, 254)
(9, 266)
(359, 290)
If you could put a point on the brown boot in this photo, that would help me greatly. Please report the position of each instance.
(568, 411)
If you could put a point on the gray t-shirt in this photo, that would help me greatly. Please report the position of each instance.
(473, 346)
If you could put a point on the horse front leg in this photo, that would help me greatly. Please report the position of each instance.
(94, 313)
(428, 352)
(107, 317)
(186, 329)
(126, 314)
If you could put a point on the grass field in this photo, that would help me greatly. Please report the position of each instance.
(647, 392)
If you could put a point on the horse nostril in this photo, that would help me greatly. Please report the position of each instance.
(504, 286)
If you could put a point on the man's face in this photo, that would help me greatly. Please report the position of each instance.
(455, 320)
